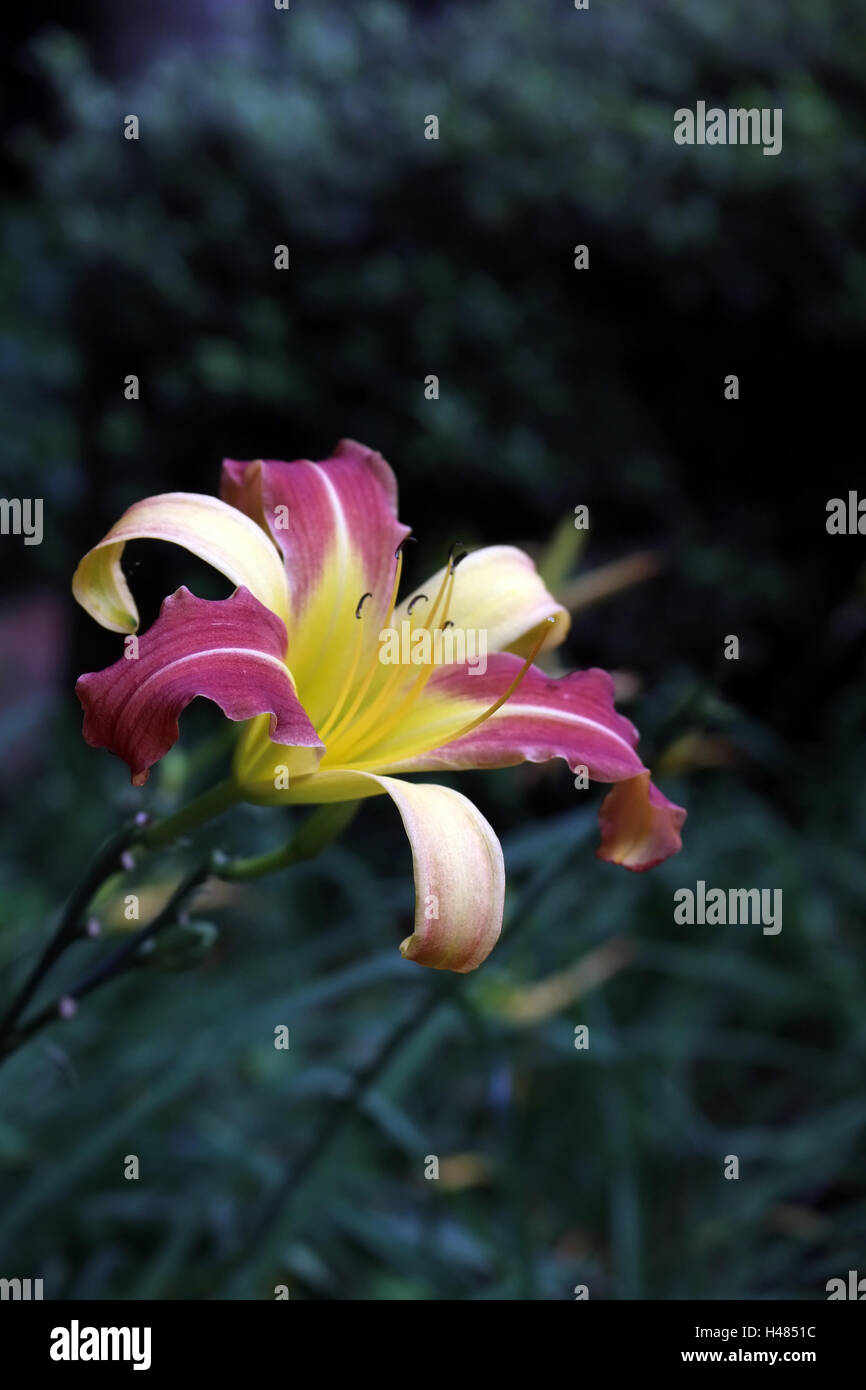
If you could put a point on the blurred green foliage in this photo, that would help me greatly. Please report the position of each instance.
(412, 256)
(455, 257)
(601, 1166)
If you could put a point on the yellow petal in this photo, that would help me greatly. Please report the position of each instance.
(497, 590)
(267, 771)
(211, 529)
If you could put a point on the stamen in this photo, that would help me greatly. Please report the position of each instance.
(364, 731)
(346, 686)
(416, 599)
(374, 661)
(395, 757)
(518, 679)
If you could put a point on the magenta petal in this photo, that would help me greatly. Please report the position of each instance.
(230, 651)
(572, 717)
(336, 524)
(317, 512)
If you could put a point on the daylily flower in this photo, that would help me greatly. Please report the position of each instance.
(316, 551)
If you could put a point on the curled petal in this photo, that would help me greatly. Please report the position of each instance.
(211, 529)
(459, 869)
(228, 650)
(639, 826)
(459, 876)
(572, 717)
(498, 591)
(336, 525)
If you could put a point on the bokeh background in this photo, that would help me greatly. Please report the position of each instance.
(558, 388)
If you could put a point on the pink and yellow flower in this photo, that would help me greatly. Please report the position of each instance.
(316, 552)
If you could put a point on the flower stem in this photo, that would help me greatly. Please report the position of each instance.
(210, 804)
(104, 862)
(111, 965)
(317, 832)
(138, 830)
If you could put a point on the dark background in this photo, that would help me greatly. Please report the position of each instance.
(558, 387)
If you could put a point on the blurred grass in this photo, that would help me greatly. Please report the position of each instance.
(601, 1166)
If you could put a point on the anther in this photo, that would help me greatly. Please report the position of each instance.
(410, 537)
(361, 601)
(416, 599)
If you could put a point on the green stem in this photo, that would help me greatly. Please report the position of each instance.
(205, 807)
(110, 966)
(210, 804)
(317, 832)
(106, 859)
